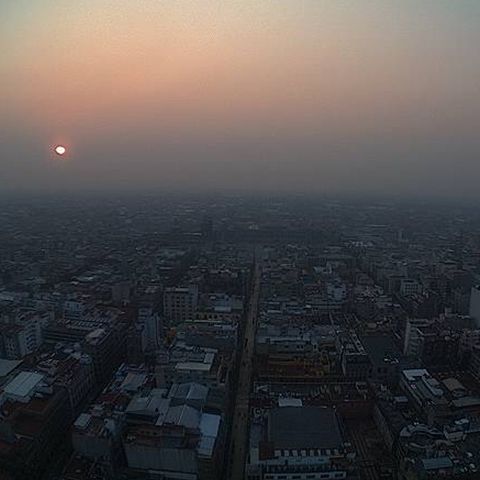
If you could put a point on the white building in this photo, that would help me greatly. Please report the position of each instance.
(22, 336)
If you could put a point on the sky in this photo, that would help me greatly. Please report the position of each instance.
(301, 96)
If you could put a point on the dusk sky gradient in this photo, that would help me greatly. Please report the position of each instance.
(316, 96)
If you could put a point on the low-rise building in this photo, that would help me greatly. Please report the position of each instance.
(34, 417)
(299, 442)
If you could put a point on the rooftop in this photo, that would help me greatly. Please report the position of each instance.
(23, 384)
(304, 427)
(7, 366)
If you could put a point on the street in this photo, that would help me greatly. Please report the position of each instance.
(239, 438)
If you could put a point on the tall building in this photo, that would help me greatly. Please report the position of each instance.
(430, 343)
(121, 293)
(151, 322)
(21, 336)
(474, 308)
(106, 348)
(207, 227)
(413, 340)
(408, 287)
(180, 304)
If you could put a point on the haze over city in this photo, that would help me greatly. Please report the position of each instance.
(239, 240)
(356, 97)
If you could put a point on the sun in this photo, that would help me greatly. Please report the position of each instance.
(60, 150)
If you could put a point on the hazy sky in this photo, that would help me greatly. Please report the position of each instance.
(327, 96)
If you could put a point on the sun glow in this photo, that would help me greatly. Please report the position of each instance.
(60, 150)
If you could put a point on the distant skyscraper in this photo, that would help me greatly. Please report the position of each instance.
(474, 310)
(207, 227)
(121, 293)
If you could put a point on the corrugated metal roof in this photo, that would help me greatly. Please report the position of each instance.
(183, 415)
(190, 391)
(151, 405)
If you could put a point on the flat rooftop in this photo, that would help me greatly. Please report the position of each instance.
(304, 427)
(23, 384)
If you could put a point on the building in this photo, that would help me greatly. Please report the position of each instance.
(409, 287)
(426, 449)
(294, 352)
(296, 442)
(412, 344)
(172, 440)
(192, 394)
(432, 343)
(96, 433)
(180, 304)
(74, 309)
(385, 358)
(151, 322)
(219, 308)
(106, 348)
(69, 369)
(21, 335)
(474, 307)
(354, 360)
(425, 392)
(121, 293)
(188, 363)
(34, 417)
